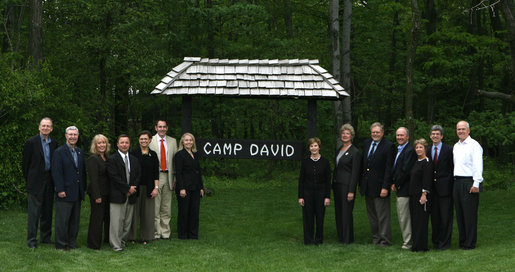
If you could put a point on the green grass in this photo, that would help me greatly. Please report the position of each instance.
(257, 226)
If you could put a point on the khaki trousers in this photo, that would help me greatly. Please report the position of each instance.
(163, 208)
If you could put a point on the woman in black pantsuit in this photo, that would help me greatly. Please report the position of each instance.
(419, 188)
(189, 188)
(314, 192)
(98, 191)
(346, 176)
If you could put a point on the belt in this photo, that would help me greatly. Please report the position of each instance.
(163, 171)
(461, 177)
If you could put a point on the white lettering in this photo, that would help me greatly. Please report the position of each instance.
(276, 150)
(217, 149)
(237, 147)
(264, 150)
(205, 146)
(227, 147)
(289, 150)
(254, 149)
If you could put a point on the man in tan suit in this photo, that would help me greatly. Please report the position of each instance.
(165, 147)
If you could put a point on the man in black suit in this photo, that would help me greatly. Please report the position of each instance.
(441, 157)
(36, 165)
(124, 174)
(402, 165)
(69, 173)
(375, 183)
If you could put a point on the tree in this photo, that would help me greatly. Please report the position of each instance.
(415, 32)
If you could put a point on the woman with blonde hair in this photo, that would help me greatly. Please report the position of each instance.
(347, 172)
(98, 191)
(189, 187)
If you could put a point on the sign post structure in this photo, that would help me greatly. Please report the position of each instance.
(290, 78)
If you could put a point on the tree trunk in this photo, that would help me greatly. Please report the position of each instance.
(508, 10)
(334, 32)
(415, 32)
(288, 18)
(430, 16)
(391, 65)
(346, 80)
(36, 31)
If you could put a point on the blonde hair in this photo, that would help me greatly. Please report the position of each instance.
(349, 128)
(421, 141)
(97, 139)
(181, 146)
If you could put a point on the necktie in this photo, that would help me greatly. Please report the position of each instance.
(75, 159)
(435, 159)
(163, 155)
(127, 174)
(372, 150)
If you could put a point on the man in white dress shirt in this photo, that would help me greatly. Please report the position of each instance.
(468, 175)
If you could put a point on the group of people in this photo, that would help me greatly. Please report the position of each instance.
(428, 181)
(126, 189)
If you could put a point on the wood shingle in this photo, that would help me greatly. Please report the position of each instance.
(234, 77)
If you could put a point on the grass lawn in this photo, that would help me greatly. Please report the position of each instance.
(257, 226)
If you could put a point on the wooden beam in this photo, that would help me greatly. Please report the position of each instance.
(312, 118)
(186, 114)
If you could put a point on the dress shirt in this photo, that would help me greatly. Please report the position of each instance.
(439, 147)
(372, 146)
(399, 150)
(74, 155)
(128, 159)
(468, 160)
(46, 151)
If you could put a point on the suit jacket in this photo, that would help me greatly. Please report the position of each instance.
(376, 174)
(187, 172)
(68, 177)
(98, 179)
(347, 170)
(119, 187)
(443, 171)
(401, 170)
(33, 163)
(172, 149)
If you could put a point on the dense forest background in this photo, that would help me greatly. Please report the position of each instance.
(413, 63)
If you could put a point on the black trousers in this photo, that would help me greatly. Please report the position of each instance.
(67, 220)
(466, 212)
(441, 220)
(98, 221)
(419, 223)
(39, 211)
(188, 214)
(343, 214)
(313, 215)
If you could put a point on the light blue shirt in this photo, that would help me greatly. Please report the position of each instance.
(439, 148)
(370, 151)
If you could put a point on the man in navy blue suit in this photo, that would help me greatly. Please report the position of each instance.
(376, 182)
(69, 176)
(441, 156)
(36, 165)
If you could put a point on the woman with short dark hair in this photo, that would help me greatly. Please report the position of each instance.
(314, 192)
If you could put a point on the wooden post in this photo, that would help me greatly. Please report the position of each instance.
(186, 114)
(312, 118)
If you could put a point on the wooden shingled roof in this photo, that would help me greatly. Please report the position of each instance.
(234, 77)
